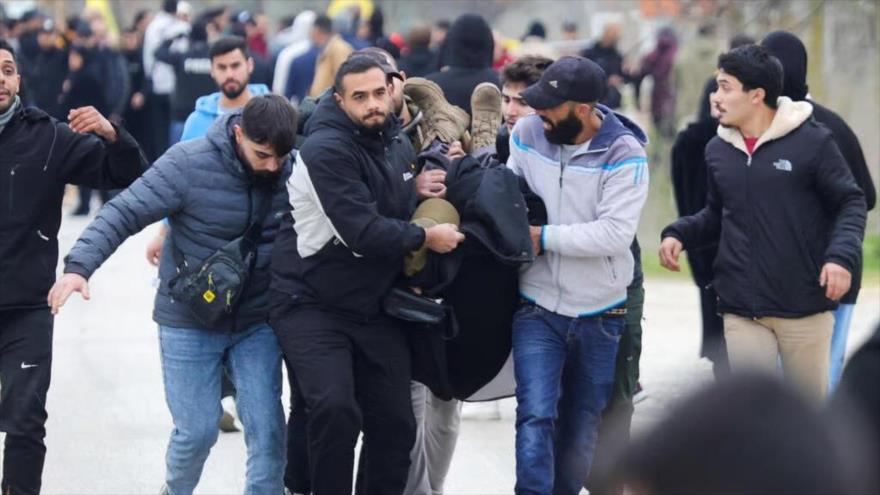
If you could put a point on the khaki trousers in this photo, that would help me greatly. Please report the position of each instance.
(802, 343)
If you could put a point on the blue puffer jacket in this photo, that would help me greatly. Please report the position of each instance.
(208, 197)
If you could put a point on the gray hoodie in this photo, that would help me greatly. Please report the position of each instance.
(593, 200)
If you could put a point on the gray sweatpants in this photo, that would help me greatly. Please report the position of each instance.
(437, 426)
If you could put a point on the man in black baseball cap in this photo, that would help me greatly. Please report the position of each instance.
(588, 163)
(570, 80)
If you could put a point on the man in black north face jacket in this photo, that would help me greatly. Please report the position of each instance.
(790, 217)
(38, 156)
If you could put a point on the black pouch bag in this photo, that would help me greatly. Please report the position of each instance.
(404, 304)
(212, 290)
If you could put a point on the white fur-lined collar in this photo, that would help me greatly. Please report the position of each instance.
(789, 116)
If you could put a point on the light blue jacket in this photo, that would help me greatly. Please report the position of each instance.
(207, 110)
(593, 206)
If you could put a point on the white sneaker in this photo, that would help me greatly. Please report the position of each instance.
(229, 423)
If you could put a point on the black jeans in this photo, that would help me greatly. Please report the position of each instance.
(25, 372)
(353, 376)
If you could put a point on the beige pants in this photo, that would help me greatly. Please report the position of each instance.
(803, 343)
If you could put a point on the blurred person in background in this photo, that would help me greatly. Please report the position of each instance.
(244, 24)
(605, 53)
(192, 73)
(50, 71)
(419, 59)
(570, 39)
(470, 47)
(659, 65)
(298, 44)
(715, 441)
(136, 114)
(333, 51)
(164, 25)
(534, 42)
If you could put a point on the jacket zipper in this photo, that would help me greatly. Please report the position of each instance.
(557, 277)
(12, 187)
(751, 267)
(247, 224)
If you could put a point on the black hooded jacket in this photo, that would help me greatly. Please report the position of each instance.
(38, 156)
(352, 194)
(793, 55)
(780, 214)
(470, 49)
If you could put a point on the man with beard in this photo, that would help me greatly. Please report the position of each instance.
(38, 156)
(231, 69)
(212, 190)
(588, 166)
(337, 255)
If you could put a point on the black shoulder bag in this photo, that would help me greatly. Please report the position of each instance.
(212, 290)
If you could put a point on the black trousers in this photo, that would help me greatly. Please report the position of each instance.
(25, 372)
(353, 376)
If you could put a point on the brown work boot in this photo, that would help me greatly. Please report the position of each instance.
(442, 120)
(486, 109)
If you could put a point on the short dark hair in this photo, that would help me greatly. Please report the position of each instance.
(169, 6)
(323, 23)
(356, 64)
(270, 119)
(526, 70)
(4, 45)
(227, 44)
(755, 67)
(443, 24)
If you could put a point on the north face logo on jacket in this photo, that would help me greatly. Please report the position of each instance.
(782, 164)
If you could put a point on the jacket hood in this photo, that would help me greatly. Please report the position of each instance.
(470, 43)
(220, 136)
(615, 125)
(793, 55)
(329, 115)
(789, 116)
(210, 104)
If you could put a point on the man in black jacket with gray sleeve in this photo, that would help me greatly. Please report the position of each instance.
(38, 156)
(791, 220)
(337, 254)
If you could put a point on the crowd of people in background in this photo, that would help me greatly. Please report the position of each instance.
(324, 103)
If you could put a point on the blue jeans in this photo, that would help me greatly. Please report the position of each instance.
(564, 371)
(842, 320)
(192, 361)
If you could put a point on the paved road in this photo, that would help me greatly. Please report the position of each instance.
(108, 423)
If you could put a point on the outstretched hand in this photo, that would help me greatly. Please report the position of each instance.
(64, 287)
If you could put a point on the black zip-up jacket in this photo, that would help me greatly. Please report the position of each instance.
(38, 156)
(782, 213)
(352, 196)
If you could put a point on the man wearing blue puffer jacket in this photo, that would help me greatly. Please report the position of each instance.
(211, 190)
(588, 166)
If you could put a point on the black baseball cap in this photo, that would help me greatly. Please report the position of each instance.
(382, 58)
(568, 79)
